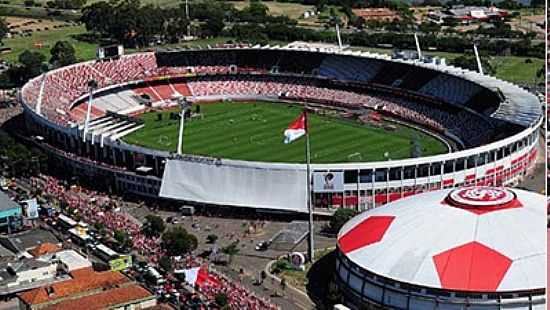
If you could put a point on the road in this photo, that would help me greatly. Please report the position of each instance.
(248, 263)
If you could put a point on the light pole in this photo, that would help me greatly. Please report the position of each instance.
(92, 85)
(182, 101)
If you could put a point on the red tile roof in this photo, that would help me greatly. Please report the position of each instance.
(45, 248)
(84, 280)
(105, 299)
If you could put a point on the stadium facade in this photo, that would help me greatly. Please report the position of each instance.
(467, 248)
(493, 124)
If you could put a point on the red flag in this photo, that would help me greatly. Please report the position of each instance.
(296, 129)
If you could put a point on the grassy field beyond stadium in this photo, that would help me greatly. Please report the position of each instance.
(254, 131)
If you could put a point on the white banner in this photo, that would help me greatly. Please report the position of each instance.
(328, 182)
(31, 208)
(245, 185)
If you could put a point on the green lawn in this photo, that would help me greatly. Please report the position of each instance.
(254, 131)
(516, 69)
(84, 51)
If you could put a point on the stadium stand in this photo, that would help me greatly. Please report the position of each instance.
(346, 68)
(450, 89)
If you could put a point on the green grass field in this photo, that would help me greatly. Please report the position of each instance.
(84, 51)
(254, 131)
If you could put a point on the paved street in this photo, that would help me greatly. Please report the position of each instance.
(251, 262)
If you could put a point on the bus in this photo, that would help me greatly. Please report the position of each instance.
(66, 222)
(105, 253)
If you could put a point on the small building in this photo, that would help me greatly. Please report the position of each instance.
(10, 213)
(467, 14)
(67, 260)
(26, 273)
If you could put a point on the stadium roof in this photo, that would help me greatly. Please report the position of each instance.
(475, 239)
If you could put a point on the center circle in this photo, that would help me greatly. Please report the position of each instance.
(482, 196)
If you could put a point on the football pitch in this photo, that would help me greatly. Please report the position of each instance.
(254, 131)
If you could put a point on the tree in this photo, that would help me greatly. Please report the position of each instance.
(340, 217)
(221, 300)
(32, 63)
(154, 226)
(214, 26)
(63, 54)
(212, 238)
(427, 27)
(4, 30)
(470, 62)
(123, 238)
(177, 241)
(231, 250)
(97, 17)
(165, 263)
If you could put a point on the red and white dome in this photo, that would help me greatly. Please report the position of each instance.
(478, 239)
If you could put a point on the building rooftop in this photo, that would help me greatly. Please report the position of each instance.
(84, 280)
(23, 241)
(45, 248)
(6, 203)
(26, 264)
(106, 299)
(71, 259)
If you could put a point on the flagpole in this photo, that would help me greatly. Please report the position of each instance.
(311, 248)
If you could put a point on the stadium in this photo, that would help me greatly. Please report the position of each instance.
(402, 256)
(384, 127)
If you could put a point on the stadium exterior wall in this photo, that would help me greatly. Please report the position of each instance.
(364, 290)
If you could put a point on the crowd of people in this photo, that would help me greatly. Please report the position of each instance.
(94, 207)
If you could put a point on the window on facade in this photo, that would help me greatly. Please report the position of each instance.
(435, 169)
(365, 176)
(395, 174)
(350, 176)
(449, 166)
(409, 172)
(471, 162)
(423, 171)
(381, 175)
(459, 165)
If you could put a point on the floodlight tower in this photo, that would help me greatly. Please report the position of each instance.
(92, 85)
(336, 21)
(478, 60)
(418, 50)
(184, 104)
(187, 17)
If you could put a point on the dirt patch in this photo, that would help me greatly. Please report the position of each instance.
(22, 25)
